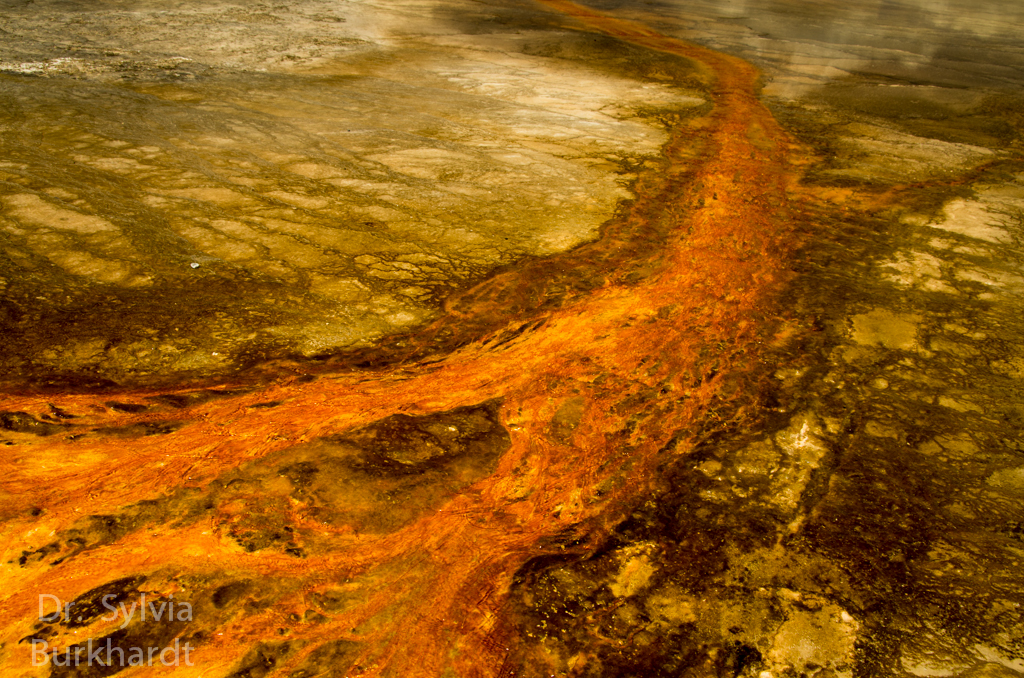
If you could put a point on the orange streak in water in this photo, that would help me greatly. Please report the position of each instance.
(649, 351)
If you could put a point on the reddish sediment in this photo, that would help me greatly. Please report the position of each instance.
(647, 366)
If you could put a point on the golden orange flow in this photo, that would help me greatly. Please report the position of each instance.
(654, 362)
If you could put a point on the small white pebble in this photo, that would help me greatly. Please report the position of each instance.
(194, 264)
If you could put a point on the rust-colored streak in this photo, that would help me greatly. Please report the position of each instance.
(648, 366)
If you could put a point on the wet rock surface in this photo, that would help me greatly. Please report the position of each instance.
(290, 182)
(871, 527)
(830, 487)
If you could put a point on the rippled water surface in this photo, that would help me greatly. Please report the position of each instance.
(512, 338)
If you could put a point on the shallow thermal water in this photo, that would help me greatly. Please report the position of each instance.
(190, 189)
(512, 338)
